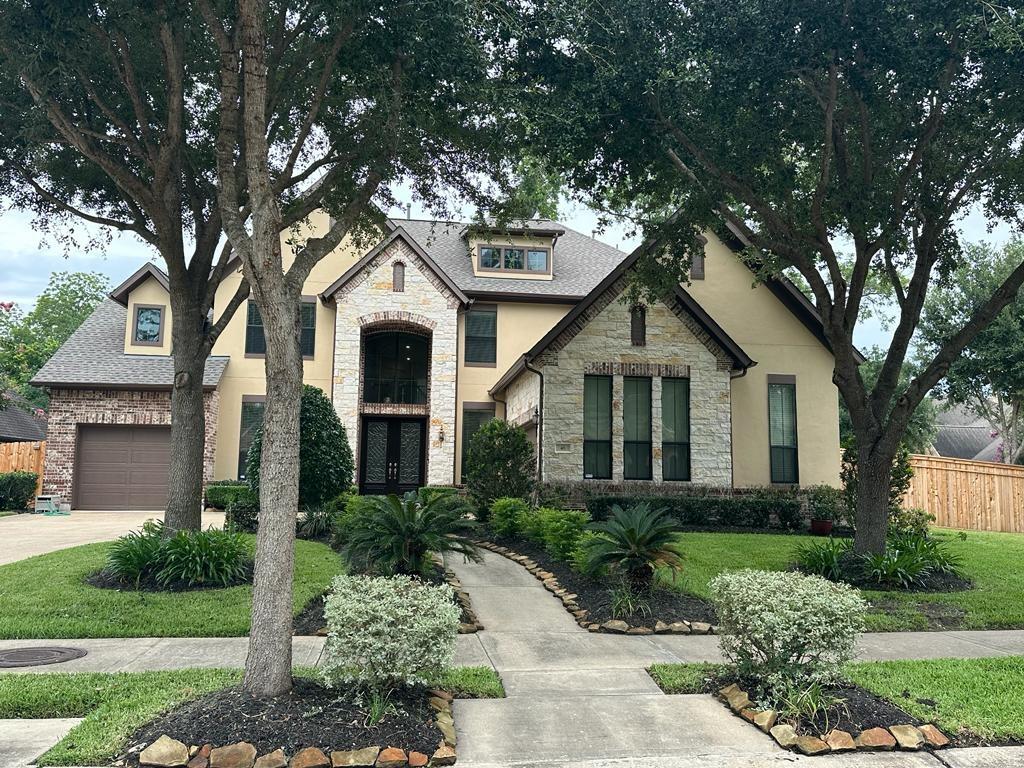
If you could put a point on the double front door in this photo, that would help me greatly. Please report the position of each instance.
(393, 454)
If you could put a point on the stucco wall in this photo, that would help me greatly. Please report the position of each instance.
(425, 303)
(71, 407)
(603, 345)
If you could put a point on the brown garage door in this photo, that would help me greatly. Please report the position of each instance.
(122, 467)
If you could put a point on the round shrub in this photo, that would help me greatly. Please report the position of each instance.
(499, 462)
(383, 632)
(17, 489)
(505, 513)
(325, 457)
(242, 513)
(786, 629)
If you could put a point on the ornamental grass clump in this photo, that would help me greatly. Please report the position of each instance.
(386, 632)
(786, 629)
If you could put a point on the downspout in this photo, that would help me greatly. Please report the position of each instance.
(540, 419)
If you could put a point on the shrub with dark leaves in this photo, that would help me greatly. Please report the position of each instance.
(17, 489)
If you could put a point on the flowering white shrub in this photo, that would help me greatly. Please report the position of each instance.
(384, 632)
(786, 628)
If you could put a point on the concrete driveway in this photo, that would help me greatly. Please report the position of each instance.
(27, 535)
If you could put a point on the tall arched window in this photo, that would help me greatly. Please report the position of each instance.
(398, 277)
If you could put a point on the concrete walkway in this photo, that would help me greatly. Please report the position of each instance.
(22, 741)
(29, 535)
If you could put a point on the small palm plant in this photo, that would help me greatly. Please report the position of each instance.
(399, 535)
(636, 542)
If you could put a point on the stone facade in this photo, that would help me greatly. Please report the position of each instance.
(426, 306)
(521, 398)
(72, 407)
(600, 343)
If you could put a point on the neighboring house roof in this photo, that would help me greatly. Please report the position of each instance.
(94, 357)
(146, 271)
(579, 262)
(962, 434)
(17, 424)
(397, 233)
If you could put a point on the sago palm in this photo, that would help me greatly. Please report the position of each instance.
(399, 535)
(636, 542)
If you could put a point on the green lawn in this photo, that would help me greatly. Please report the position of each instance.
(993, 561)
(115, 705)
(46, 597)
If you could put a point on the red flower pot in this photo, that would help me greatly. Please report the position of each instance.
(821, 527)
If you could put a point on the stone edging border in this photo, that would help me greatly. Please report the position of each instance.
(462, 596)
(166, 752)
(614, 626)
(906, 737)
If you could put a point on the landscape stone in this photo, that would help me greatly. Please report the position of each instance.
(784, 734)
(748, 714)
(355, 758)
(310, 757)
(438, 693)
(875, 738)
(679, 628)
(660, 627)
(392, 757)
(200, 758)
(240, 755)
(443, 755)
(766, 719)
(700, 628)
(438, 704)
(933, 736)
(447, 729)
(164, 752)
(726, 692)
(417, 760)
(738, 700)
(840, 741)
(616, 625)
(639, 631)
(811, 745)
(275, 759)
(907, 736)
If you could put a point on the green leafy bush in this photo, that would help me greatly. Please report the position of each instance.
(430, 491)
(354, 508)
(187, 558)
(784, 628)
(386, 632)
(220, 494)
(242, 513)
(824, 558)
(913, 521)
(325, 457)
(560, 529)
(635, 542)
(499, 462)
(505, 513)
(316, 522)
(744, 510)
(17, 490)
(399, 535)
(579, 558)
(827, 503)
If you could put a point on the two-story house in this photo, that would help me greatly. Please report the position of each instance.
(442, 326)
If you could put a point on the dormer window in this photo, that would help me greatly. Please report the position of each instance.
(148, 325)
(516, 259)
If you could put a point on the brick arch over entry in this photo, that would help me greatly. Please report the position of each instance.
(395, 318)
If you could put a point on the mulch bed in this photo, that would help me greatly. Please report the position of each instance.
(594, 595)
(309, 715)
(106, 580)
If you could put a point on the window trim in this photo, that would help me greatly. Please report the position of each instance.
(262, 355)
(524, 270)
(689, 433)
(638, 325)
(493, 308)
(611, 427)
(785, 379)
(650, 428)
(241, 408)
(135, 325)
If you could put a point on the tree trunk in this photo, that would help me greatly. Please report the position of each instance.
(268, 669)
(188, 422)
(874, 473)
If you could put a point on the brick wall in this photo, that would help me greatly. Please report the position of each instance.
(71, 407)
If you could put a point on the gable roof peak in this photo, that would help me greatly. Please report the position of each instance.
(143, 273)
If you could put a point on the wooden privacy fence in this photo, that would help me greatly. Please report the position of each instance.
(26, 457)
(978, 495)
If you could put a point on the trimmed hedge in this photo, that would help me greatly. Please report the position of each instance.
(242, 513)
(220, 494)
(741, 511)
(17, 490)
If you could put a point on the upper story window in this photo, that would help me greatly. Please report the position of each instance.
(398, 277)
(697, 266)
(782, 429)
(395, 366)
(148, 325)
(517, 258)
(638, 326)
(255, 339)
(482, 336)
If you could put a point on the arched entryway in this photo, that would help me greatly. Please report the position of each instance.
(394, 405)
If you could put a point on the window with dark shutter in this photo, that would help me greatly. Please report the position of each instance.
(307, 328)
(597, 427)
(638, 326)
(675, 429)
(398, 277)
(636, 428)
(782, 430)
(482, 336)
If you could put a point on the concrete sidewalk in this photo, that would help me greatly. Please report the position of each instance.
(23, 741)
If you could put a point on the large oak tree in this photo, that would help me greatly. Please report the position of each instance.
(818, 133)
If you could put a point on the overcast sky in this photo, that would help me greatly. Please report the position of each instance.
(26, 262)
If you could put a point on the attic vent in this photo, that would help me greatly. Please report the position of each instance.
(398, 277)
